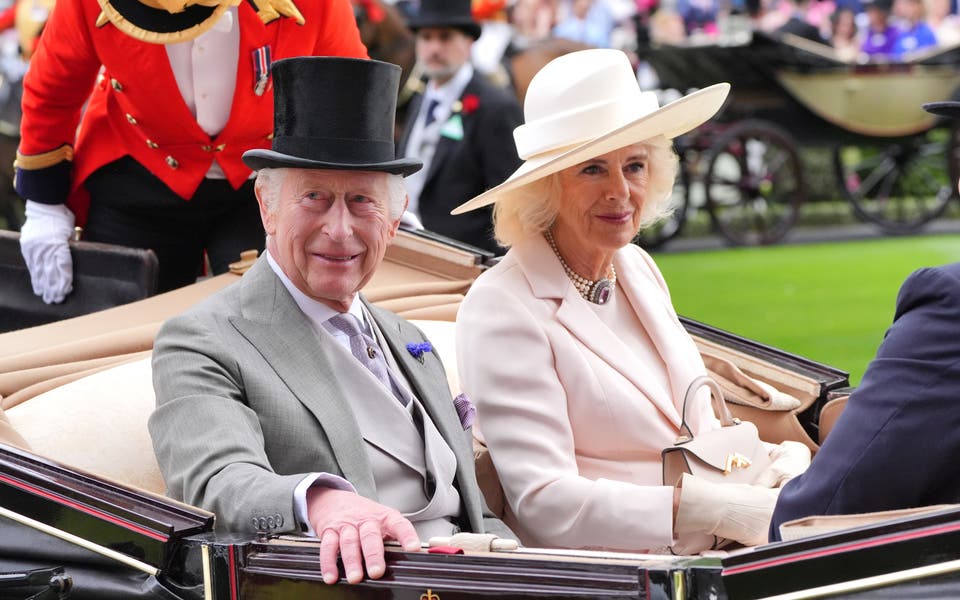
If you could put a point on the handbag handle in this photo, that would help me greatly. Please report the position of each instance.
(716, 397)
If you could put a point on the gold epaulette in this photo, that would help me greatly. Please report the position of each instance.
(271, 10)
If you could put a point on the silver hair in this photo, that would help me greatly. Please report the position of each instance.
(531, 209)
(269, 182)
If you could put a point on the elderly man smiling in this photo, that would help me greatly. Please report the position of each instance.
(287, 403)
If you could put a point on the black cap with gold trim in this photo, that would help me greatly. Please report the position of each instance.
(172, 21)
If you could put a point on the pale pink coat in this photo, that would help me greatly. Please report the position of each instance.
(574, 420)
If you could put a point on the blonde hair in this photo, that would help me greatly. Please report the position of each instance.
(531, 209)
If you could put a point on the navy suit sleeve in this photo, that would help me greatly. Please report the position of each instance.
(498, 154)
(894, 445)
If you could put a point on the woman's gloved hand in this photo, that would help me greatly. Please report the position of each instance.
(733, 511)
(788, 459)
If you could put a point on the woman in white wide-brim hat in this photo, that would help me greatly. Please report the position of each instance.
(570, 346)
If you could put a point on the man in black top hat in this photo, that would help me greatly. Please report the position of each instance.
(461, 126)
(288, 403)
(895, 443)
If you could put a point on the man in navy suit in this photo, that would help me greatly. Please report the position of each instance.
(460, 127)
(896, 442)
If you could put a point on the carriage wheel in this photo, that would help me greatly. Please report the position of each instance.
(661, 232)
(754, 183)
(902, 185)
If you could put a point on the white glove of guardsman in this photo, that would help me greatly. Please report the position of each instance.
(43, 243)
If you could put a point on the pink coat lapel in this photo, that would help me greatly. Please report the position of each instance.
(645, 289)
(548, 280)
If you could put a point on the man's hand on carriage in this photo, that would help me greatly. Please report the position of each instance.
(43, 243)
(354, 528)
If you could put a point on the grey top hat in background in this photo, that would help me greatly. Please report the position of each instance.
(333, 113)
(446, 13)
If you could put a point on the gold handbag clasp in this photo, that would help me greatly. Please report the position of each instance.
(735, 461)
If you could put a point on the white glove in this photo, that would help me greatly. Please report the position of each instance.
(43, 243)
(789, 459)
(733, 511)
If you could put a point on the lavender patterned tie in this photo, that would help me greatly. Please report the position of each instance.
(366, 350)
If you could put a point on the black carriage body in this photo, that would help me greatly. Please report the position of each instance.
(915, 556)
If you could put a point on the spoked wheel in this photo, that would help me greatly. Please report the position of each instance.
(754, 183)
(900, 185)
(661, 232)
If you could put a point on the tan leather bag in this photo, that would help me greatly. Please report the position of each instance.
(731, 454)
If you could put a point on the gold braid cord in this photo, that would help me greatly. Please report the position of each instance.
(271, 10)
(34, 162)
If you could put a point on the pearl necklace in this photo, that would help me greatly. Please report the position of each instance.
(599, 291)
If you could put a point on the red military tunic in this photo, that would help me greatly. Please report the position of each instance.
(136, 108)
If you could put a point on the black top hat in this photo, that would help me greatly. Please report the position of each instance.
(944, 109)
(446, 13)
(333, 113)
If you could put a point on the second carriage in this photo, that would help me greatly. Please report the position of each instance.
(895, 163)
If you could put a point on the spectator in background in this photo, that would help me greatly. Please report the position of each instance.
(914, 33)
(797, 23)
(460, 126)
(532, 21)
(699, 16)
(589, 22)
(845, 38)
(667, 27)
(880, 35)
(944, 23)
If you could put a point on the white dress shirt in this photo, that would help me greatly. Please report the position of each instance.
(206, 72)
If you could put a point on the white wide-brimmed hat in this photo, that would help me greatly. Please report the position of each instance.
(585, 104)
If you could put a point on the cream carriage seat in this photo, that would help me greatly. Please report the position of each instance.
(98, 423)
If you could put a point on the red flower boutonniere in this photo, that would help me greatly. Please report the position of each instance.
(467, 104)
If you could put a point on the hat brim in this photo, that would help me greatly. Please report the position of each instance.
(468, 26)
(270, 159)
(671, 120)
(944, 109)
(158, 26)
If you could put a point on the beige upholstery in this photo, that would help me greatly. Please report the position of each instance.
(829, 415)
(96, 424)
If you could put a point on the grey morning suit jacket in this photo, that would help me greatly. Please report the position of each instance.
(251, 398)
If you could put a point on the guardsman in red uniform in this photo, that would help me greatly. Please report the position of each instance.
(184, 90)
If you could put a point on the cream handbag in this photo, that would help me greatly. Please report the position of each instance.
(731, 454)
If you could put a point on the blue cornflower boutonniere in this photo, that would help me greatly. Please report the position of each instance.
(416, 350)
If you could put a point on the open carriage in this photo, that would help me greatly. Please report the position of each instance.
(82, 513)
(895, 163)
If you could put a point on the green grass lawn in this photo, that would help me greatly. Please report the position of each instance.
(829, 302)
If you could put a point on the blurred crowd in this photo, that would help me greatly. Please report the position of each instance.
(856, 30)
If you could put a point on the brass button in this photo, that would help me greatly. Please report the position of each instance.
(116, 85)
(131, 119)
(270, 137)
(152, 144)
(172, 162)
(206, 148)
(220, 147)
